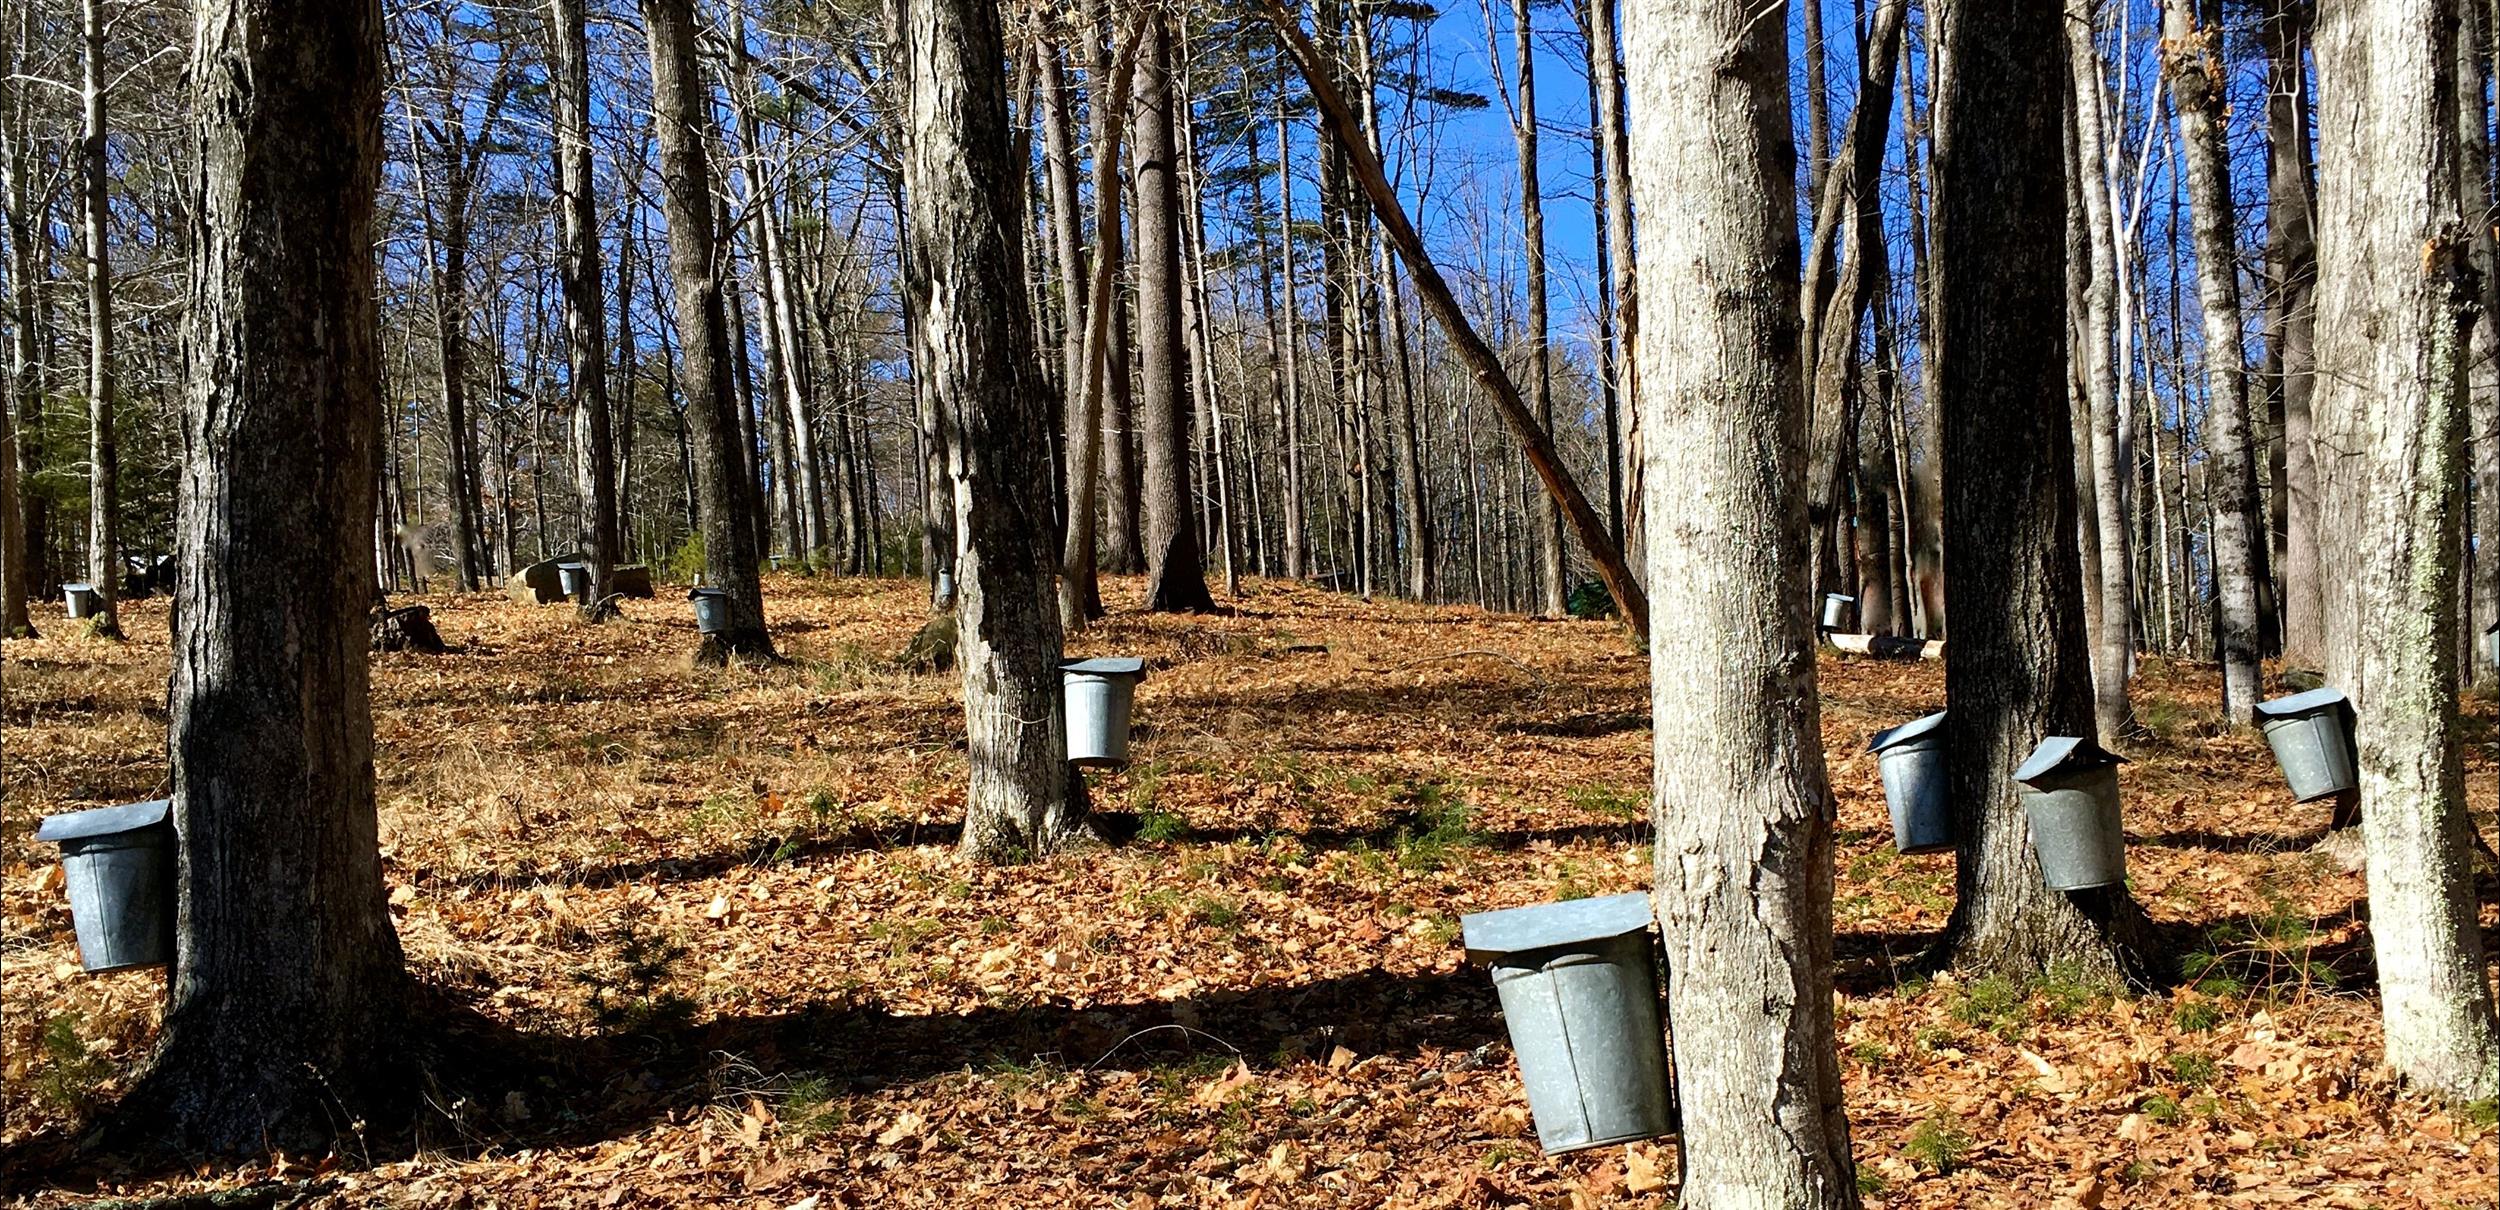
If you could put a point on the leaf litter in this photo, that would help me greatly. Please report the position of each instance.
(709, 933)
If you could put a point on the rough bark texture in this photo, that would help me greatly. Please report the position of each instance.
(104, 569)
(585, 316)
(1744, 815)
(987, 378)
(683, 117)
(1176, 577)
(287, 980)
(2113, 639)
(2018, 672)
(2292, 262)
(2192, 55)
(2394, 298)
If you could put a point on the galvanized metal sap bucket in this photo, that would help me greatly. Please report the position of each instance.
(2311, 734)
(575, 580)
(118, 869)
(1911, 757)
(1837, 610)
(2070, 799)
(1580, 995)
(82, 599)
(711, 610)
(1100, 695)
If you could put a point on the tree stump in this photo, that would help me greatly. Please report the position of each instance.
(409, 628)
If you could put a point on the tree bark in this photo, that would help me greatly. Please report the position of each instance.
(1080, 596)
(585, 316)
(104, 570)
(1176, 578)
(1551, 590)
(2292, 264)
(25, 391)
(287, 985)
(1744, 814)
(2394, 298)
(987, 377)
(682, 118)
(2481, 533)
(1289, 421)
(2192, 55)
(2113, 645)
(2019, 671)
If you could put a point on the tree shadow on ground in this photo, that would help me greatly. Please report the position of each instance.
(2232, 842)
(480, 1083)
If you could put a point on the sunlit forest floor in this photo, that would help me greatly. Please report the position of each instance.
(700, 937)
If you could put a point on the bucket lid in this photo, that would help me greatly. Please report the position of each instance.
(2302, 703)
(104, 821)
(1838, 596)
(696, 594)
(1112, 665)
(2061, 751)
(1490, 935)
(1896, 736)
(78, 587)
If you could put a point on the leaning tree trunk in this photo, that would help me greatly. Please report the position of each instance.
(287, 985)
(991, 391)
(1346, 134)
(1176, 577)
(103, 452)
(2019, 670)
(2394, 297)
(682, 113)
(1740, 778)
(2113, 642)
(585, 318)
(2192, 55)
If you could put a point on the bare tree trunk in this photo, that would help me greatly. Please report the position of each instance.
(287, 985)
(1927, 570)
(1622, 263)
(2480, 536)
(1080, 596)
(1851, 203)
(2292, 261)
(1289, 421)
(2394, 298)
(1749, 958)
(2019, 670)
(1176, 579)
(25, 394)
(988, 380)
(2192, 54)
(2113, 647)
(1549, 535)
(585, 317)
(723, 486)
(104, 570)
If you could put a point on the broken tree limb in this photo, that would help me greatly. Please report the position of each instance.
(1342, 126)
